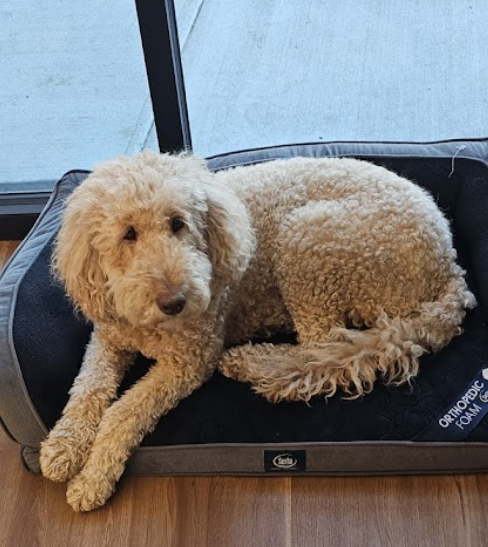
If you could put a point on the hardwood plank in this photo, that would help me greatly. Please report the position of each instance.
(204, 511)
(401, 511)
(7, 248)
(18, 505)
(245, 512)
(473, 493)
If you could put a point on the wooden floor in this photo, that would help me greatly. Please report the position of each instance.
(447, 511)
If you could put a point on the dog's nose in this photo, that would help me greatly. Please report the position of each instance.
(171, 303)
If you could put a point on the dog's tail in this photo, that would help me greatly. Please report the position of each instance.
(351, 360)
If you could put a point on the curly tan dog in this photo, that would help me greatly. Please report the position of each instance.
(177, 263)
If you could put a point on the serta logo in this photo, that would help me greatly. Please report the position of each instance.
(292, 461)
(284, 461)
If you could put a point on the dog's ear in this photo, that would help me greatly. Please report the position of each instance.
(75, 261)
(231, 238)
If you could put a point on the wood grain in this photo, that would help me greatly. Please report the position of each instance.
(6, 250)
(399, 511)
(447, 511)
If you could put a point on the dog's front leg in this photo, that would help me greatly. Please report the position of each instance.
(124, 425)
(66, 448)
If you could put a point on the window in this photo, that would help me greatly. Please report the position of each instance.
(261, 73)
(75, 89)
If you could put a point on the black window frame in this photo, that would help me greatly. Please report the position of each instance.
(162, 56)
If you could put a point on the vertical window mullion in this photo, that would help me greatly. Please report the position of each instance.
(159, 35)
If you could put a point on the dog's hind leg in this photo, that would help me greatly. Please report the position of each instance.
(330, 269)
(350, 360)
(287, 372)
(251, 363)
(306, 268)
(282, 371)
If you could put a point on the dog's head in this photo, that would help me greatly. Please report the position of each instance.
(147, 239)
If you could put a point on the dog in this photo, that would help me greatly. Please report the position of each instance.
(185, 266)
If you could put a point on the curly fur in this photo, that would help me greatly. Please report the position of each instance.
(357, 260)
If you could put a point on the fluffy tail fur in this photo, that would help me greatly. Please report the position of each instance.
(350, 359)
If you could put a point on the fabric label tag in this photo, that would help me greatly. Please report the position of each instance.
(285, 460)
(464, 414)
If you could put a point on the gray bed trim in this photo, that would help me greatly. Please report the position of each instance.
(352, 458)
(29, 430)
(455, 149)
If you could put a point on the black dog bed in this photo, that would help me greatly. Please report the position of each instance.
(436, 425)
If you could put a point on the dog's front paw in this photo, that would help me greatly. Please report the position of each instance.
(89, 490)
(66, 449)
(61, 457)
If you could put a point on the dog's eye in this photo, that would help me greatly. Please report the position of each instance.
(130, 234)
(177, 224)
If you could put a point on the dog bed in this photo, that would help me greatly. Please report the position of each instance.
(436, 425)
